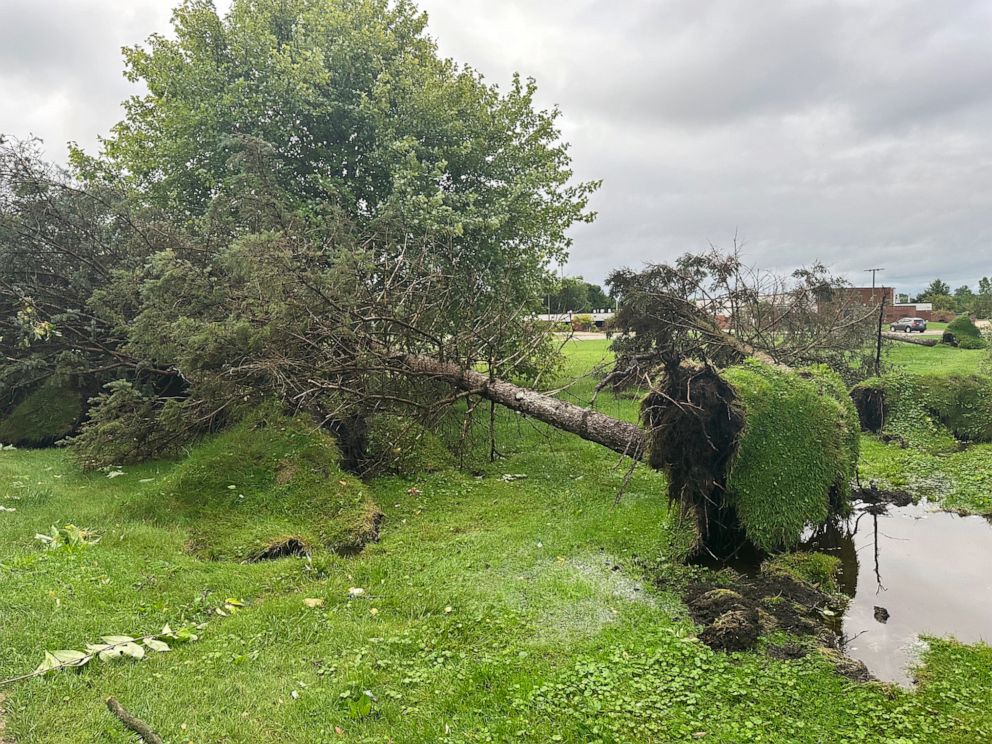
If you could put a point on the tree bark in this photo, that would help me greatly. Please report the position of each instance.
(908, 338)
(622, 437)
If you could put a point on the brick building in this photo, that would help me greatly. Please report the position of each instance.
(869, 296)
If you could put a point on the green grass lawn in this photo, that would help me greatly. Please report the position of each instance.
(515, 601)
(937, 360)
(958, 480)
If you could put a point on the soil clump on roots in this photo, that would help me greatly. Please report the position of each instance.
(695, 424)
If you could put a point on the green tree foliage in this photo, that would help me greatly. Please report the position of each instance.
(942, 302)
(363, 118)
(983, 300)
(964, 299)
(936, 288)
(575, 294)
(61, 244)
(306, 191)
(46, 415)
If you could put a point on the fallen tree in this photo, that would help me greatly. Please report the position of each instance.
(908, 338)
(753, 454)
(188, 298)
(622, 437)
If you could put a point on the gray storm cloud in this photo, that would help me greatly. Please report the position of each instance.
(852, 131)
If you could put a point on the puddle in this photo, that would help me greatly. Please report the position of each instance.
(910, 571)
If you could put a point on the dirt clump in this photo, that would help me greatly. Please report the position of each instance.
(787, 651)
(707, 606)
(846, 666)
(875, 496)
(734, 617)
(736, 630)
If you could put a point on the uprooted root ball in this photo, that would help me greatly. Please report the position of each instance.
(756, 453)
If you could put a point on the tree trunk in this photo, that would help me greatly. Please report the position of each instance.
(909, 338)
(622, 437)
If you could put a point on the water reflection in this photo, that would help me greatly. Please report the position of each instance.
(910, 571)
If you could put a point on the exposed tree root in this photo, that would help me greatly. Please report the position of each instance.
(694, 425)
(870, 404)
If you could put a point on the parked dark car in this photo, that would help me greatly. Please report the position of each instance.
(908, 325)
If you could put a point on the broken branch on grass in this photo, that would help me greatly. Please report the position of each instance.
(133, 723)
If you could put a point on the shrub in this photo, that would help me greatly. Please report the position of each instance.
(44, 417)
(797, 454)
(583, 323)
(968, 342)
(942, 316)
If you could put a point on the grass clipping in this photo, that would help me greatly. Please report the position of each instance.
(269, 487)
(755, 453)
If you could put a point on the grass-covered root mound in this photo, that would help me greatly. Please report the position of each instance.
(964, 334)
(269, 487)
(45, 416)
(798, 454)
(926, 411)
(757, 453)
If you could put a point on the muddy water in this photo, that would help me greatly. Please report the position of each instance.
(910, 571)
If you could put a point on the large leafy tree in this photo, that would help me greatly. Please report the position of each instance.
(309, 190)
(983, 300)
(964, 299)
(364, 117)
(575, 294)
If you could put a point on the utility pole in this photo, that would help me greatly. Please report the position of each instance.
(878, 342)
(873, 272)
(881, 320)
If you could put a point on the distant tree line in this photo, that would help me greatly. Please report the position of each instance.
(961, 300)
(575, 294)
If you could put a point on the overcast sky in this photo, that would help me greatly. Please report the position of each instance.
(855, 132)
